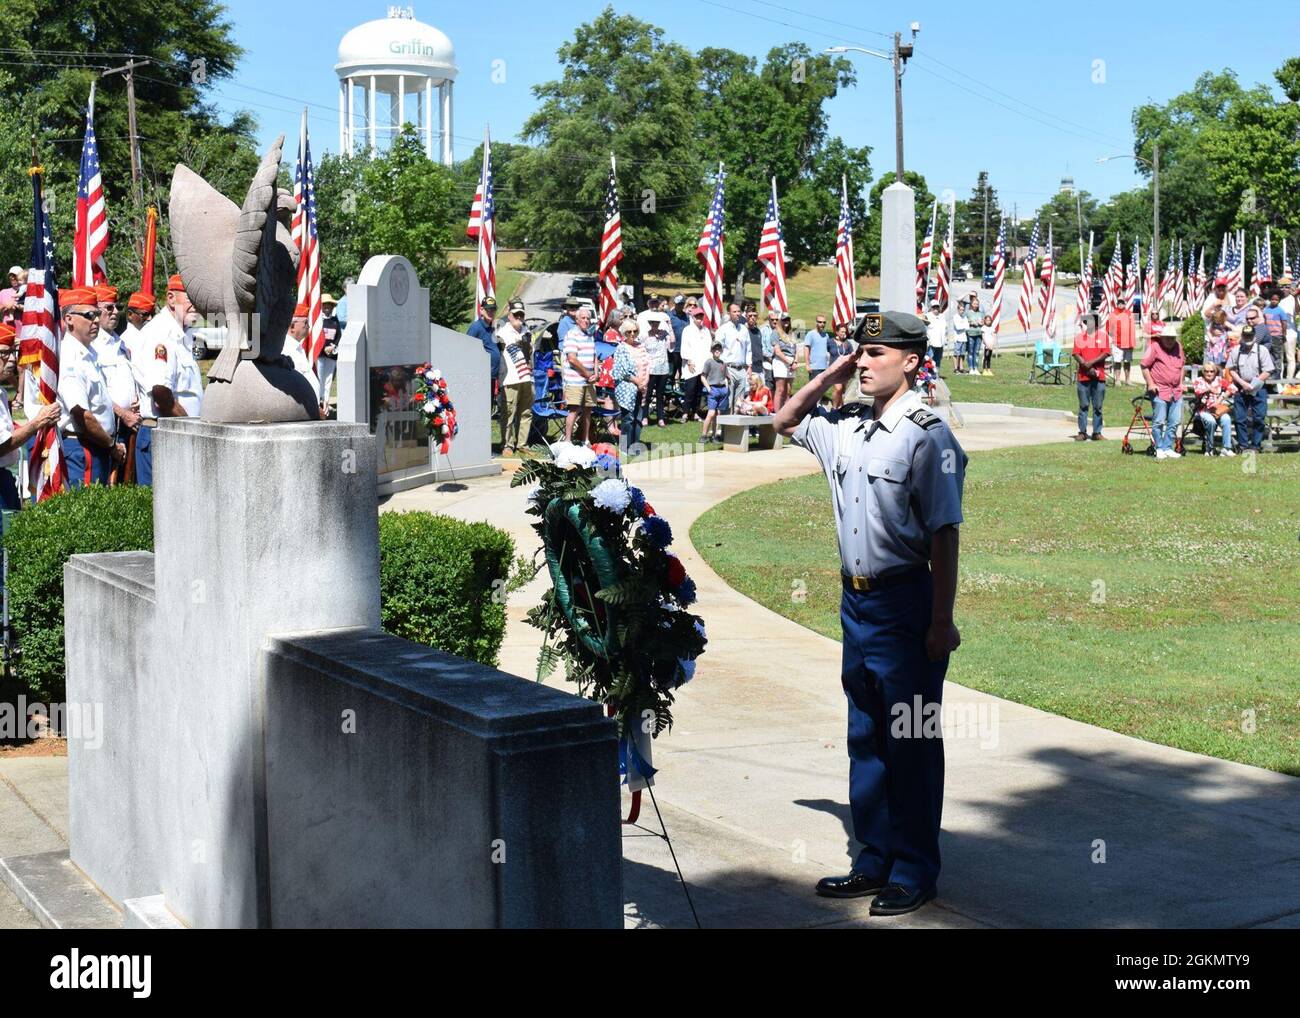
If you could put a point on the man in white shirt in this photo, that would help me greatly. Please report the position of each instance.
(87, 425)
(936, 334)
(516, 379)
(696, 341)
(1288, 304)
(174, 325)
(733, 334)
(140, 309)
(299, 327)
(654, 312)
(115, 362)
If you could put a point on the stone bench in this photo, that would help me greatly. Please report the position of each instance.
(736, 428)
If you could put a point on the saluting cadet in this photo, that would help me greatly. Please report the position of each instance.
(115, 362)
(895, 473)
(87, 424)
(174, 325)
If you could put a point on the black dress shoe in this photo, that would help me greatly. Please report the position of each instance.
(855, 885)
(899, 900)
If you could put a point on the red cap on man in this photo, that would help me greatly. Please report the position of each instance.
(175, 283)
(6, 334)
(141, 302)
(77, 296)
(302, 311)
(106, 294)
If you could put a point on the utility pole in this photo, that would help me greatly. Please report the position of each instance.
(133, 139)
(898, 100)
(984, 254)
(1155, 231)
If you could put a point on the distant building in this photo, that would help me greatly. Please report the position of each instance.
(1067, 185)
(404, 61)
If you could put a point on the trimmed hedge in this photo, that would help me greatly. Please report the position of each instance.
(1192, 335)
(442, 582)
(40, 540)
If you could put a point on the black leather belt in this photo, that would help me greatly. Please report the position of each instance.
(862, 584)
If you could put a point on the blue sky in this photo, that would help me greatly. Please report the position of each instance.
(1028, 92)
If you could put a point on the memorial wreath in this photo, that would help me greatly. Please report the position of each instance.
(435, 406)
(615, 615)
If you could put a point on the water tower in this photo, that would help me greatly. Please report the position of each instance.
(397, 63)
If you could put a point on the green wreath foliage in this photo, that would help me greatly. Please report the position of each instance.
(615, 615)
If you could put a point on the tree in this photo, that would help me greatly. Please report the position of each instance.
(623, 90)
(867, 248)
(509, 186)
(970, 240)
(1064, 212)
(61, 48)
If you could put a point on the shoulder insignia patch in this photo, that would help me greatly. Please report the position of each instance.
(923, 418)
(853, 409)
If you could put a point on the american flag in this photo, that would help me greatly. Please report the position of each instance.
(1166, 294)
(1113, 290)
(846, 280)
(1045, 270)
(611, 248)
(39, 346)
(1202, 281)
(944, 277)
(1025, 312)
(1149, 302)
(999, 274)
(482, 221)
(1180, 286)
(923, 260)
(302, 229)
(1236, 259)
(1134, 271)
(90, 234)
(1049, 288)
(1254, 280)
(711, 256)
(1083, 299)
(1264, 271)
(771, 255)
(1221, 266)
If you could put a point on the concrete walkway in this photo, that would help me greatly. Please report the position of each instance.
(753, 777)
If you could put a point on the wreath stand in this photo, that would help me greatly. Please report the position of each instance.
(586, 619)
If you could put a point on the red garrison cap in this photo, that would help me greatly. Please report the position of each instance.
(106, 294)
(175, 283)
(302, 311)
(141, 302)
(77, 296)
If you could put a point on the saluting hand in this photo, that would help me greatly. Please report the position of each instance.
(841, 369)
(941, 639)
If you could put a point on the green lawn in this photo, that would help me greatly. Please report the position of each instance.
(1158, 600)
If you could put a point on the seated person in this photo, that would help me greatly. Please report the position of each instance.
(759, 401)
(1214, 392)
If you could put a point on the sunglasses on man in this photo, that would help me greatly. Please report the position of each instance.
(90, 316)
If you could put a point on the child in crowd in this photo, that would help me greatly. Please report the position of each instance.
(1216, 345)
(1214, 394)
(759, 401)
(990, 345)
(959, 327)
(715, 382)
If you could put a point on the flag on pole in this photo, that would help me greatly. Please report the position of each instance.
(1025, 312)
(923, 260)
(943, 280)
(1150, 298)
(1202, 281)
(150, 247)
(611, 249)
(711, 256)
(771, 255)
(1236, 264)
(1166, 294)
(999, 274)
(38, 346)
(1131, 280)
(1112, 285)
(1221, 266)
(303, 230)
(1264, 270)
(1083, 298)
(846, 280)
(1182, 308)
(482, 221)
(1049, 288)
(90, 232)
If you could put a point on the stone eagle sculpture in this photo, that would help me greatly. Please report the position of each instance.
(240, 268)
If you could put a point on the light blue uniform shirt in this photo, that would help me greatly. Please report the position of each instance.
(894, 481)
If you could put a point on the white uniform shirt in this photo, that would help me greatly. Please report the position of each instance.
(82, 384)
(301, 363)
(189, 379)
(115, 362)
(6, 431)
(153, 364)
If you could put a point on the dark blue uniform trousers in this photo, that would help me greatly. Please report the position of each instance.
(144, 455)
(86, 464)
(895, 751)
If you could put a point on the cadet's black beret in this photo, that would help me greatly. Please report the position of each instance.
(891, 328)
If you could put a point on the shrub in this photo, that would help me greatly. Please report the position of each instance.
(443, 582)
(39, 542)
(1192, 335)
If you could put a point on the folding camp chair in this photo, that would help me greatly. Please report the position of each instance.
(1048, 364)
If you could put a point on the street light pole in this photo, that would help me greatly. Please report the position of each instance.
(898, 58)
(1154, 164)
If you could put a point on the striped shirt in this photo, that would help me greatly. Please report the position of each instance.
(583, 348)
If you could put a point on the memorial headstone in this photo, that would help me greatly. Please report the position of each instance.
(389, 336)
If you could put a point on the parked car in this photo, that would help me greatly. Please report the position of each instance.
(584, 286)
(988, 280)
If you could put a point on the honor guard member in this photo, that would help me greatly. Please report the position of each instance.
(295, 349)
(115, 362)
(87, 425)
(139, 310)
(174, 325)
(895, 473)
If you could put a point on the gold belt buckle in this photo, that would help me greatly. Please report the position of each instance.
(862, 584)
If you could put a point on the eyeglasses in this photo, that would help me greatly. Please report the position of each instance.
(90, 316)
